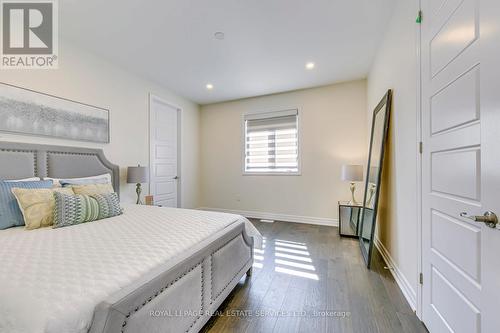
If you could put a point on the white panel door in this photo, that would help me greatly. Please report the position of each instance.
(163, 129)
(460, 165)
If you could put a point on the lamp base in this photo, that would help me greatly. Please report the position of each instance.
(353, 198)
(371, 192)
(138, 190)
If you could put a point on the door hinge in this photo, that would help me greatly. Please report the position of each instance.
(420, 147)
(421, 278)
(419, 17)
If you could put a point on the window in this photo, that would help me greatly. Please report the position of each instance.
(271, 142)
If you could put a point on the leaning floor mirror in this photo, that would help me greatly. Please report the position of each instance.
(368, 216)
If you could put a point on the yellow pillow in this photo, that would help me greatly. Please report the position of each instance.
(92, 189)
(37, 205)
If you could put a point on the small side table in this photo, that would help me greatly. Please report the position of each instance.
(348, 219)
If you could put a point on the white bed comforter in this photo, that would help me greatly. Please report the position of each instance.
(51, 279)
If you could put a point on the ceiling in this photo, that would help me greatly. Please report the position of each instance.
(266, 46)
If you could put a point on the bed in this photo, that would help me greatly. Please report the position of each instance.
(152, 269)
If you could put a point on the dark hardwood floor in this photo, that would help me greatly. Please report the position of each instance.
(308, 279)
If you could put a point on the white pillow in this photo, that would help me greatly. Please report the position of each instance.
(106, 176)
(32, 179)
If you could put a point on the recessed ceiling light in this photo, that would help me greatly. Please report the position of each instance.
(219, 35)
(210, 86)
(310, 65)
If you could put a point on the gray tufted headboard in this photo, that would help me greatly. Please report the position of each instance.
(24, 160)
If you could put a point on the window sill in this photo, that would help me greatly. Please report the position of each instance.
(298, 173)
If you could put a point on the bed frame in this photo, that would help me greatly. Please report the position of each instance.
(179, 296)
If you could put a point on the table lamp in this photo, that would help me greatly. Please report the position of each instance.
(352, 173)
(138, 175)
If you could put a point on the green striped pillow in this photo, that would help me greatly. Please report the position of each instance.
(80, 208)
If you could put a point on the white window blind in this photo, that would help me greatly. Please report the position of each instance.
(271, 142)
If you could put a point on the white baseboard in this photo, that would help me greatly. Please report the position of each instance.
(401, 280)
(278, 217)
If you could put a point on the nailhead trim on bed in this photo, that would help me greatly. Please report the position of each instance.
(201, 296)
(165, 288)
(35, 157)
(212, 270)
(211, 278)
(70, 153)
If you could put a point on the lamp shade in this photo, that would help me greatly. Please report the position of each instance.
(352, 173)
(137, 175)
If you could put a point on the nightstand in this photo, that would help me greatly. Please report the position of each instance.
(348, 219)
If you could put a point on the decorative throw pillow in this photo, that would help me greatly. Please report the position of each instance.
(10, 214)
(109, 205)
(81, 208)
(92, 189)
(37, 205)
(74, 209)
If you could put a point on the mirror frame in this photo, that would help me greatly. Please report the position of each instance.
(387, 102)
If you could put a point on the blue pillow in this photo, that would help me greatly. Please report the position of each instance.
(10, 214)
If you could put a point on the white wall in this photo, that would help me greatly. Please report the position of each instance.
(332, 132)
(89, 79)
(395, 67)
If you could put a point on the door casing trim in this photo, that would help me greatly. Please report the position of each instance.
(419, 181)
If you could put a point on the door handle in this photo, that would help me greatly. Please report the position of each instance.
(176, 177)
(489, 218)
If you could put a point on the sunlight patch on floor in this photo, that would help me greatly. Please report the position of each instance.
(295, 246)
(291, 256)
(297, 273)
(259, 255)
(290, 242)
(294, 264)
(283, 249)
